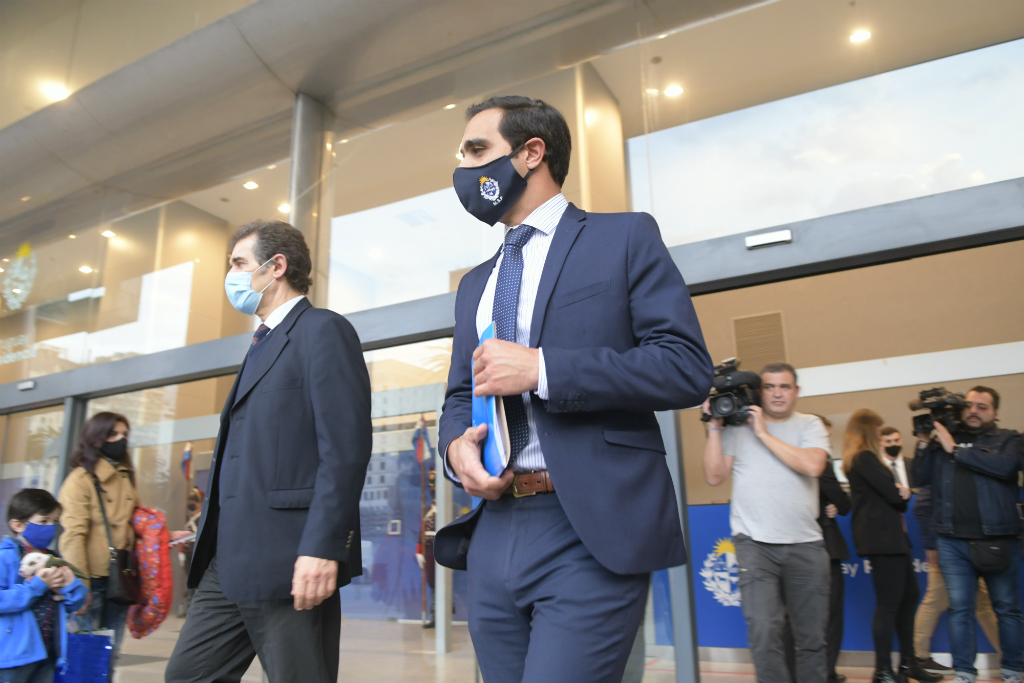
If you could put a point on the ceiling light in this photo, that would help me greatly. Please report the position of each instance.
(71, 237)
(652, 91)
(860, 36)
(108, 233)
(25, 199)
(328, 147)
(85, 269)
(673, 91)
(343, 141)
(449, 106)
(663, 35)
(7, 260)
(271, 167)
(54, 91)
(1, 270)
(250, 185)
(284, 208)
(16, 291)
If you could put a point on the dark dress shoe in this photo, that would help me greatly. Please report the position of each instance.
(886, 675)
(933, 666)
(918, 674)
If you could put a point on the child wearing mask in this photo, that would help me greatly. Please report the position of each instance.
(32, 621)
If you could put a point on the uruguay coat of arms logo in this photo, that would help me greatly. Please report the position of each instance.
(721, 574)
(19, 277)
(489, 189)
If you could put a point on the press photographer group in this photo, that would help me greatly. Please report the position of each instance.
(961, 481)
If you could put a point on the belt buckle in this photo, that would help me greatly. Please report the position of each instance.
(517, 494)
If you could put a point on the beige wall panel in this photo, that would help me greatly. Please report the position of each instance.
(604, 148)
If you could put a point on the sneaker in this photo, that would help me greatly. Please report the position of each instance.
(933, 666)
(1011, 677)
(963, 678)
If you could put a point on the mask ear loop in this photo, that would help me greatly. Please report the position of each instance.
(261, 268)
(517, 150)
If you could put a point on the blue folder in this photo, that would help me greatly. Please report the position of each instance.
(489, 410)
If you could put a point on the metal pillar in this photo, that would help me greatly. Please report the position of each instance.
(74, 418)
(442, 575)
(311, 193)
(680, 579)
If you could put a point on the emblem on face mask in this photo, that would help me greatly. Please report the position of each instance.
(489, 189)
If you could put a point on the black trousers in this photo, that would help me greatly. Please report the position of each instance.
(896, 594)
(220, 639)
(834, 630)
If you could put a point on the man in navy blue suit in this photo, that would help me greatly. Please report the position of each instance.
(594, 332)
(279, 533)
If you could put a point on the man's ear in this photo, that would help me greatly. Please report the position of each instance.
(280, 265)
(535, 149)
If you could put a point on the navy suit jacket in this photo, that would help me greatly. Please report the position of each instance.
(621, 341)
(299, 447)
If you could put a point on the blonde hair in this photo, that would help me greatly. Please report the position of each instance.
(862, 435)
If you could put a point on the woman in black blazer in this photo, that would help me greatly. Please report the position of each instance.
(880, 535)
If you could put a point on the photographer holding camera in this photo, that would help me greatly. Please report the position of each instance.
(972, 467)
(775, 459)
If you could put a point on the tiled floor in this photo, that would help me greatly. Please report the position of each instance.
(404, 653)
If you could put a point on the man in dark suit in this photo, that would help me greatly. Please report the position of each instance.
(280, 531)
(594, 332)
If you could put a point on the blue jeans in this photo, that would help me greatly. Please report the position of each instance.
(962, 584)
(107, 615)
(36, 672)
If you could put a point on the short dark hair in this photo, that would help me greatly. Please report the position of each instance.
(278, 237)
(28, 502)
(886, 431)
(987, 390)
(524, 119)
(780, 367)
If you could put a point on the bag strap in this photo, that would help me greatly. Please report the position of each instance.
(103, 511)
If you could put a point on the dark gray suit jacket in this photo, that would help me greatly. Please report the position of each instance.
(290, 482)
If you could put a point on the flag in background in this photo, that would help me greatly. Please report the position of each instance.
(186, 462)
(422, 443)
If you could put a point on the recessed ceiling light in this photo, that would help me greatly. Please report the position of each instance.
(25, 199)
(85, 269)
(860, 36)
(71, 237)
(663, 35)
(449, 106)
(328, 146)
(108, 233)
(284, 208)
(54, 91)
(343, 141)
(250, 185)
(7, 260)
(673, 91)
(271, 167)
(16, 291)
(1, 270)
(652, 91)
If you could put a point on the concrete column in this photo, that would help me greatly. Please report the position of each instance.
(680, 579)
(442, 575)
(311, 194)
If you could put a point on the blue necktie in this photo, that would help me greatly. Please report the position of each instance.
(505, 312)
(261, 332)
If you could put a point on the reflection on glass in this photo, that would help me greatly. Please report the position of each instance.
(925, 129)
(406, 381)
(123, 288)
(30, 452)
(406, 250)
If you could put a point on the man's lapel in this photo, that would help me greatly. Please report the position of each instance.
(573, 221)
(276, 341)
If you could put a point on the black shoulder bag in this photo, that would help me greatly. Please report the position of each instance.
(992, 556)
(123, 584)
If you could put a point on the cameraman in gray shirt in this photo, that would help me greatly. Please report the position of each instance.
(775, 461)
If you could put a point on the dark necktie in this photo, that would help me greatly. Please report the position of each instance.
(505, 313)
(259, 334)
(254, 353)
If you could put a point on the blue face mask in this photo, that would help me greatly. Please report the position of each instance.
(39, 536)
(240, 292)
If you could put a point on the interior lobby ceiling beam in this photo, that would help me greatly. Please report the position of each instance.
(974, 216)
(136, 137)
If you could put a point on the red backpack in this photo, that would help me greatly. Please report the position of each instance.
(156, 577)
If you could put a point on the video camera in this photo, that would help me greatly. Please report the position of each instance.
(943, 406)
(733, 392)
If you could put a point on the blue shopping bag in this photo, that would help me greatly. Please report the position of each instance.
(88, 658)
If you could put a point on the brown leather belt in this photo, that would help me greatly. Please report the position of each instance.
(530, 484)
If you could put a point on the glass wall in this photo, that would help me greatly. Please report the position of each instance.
(30, 451)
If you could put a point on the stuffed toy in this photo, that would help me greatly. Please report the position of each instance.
(33, 562)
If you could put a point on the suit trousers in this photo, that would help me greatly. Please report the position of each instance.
(541, 608)
(935, 604)
(776, 579)
(220, 638)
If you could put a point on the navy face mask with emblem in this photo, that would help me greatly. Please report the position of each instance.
(489, 191)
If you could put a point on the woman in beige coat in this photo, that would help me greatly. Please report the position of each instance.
(102, 451)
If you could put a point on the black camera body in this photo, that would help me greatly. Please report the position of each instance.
(733, 392)
(943, 406)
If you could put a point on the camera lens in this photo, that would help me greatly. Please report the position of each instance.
(724, 405)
